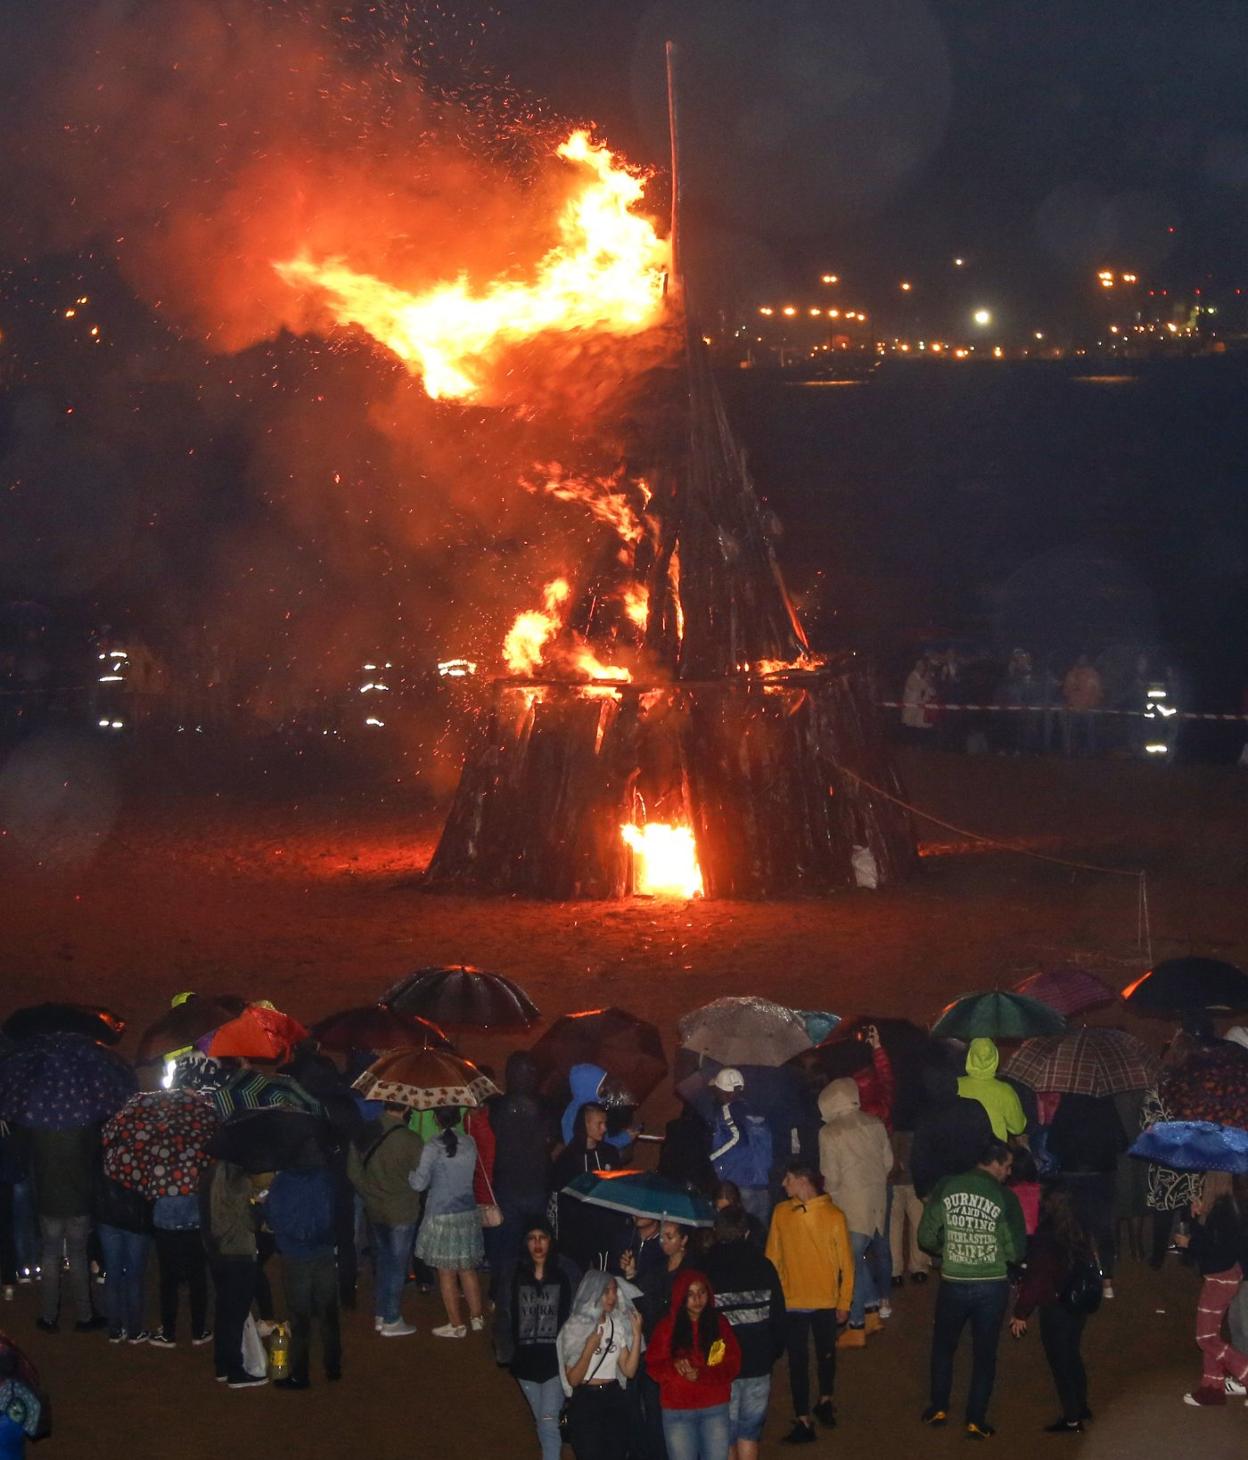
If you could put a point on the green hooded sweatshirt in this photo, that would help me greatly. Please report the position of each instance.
(975, 1225)
(980, 1082)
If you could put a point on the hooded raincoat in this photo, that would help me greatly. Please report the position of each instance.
(587, 1314)
(1005, 1111)
(855, 1157)
(585, 1082)
(714, 1370)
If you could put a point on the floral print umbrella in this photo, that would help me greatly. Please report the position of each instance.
(156, 1142)
(61, 1081)
(1211, 1084)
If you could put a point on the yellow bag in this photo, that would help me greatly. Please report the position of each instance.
(716, 1355)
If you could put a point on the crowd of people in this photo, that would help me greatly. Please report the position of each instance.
(645, 1337)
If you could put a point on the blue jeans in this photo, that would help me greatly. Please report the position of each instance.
(983, 1305)
(697, 1434)
(747, 1409)
(546, 1401)
(392, 1251)
(125, 1264)
(864, 1288)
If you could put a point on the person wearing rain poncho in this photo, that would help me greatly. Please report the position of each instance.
(599, 1351)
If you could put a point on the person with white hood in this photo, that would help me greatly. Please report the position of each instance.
(855, 1157)
(599, 1351)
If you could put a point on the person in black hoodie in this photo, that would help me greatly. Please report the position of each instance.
(1086, 1138)
(123, 1222)
(590, 1235)
(539, 1303)
(951, 1133)
(749, 1295)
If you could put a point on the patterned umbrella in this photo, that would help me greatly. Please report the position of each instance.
(1180, 984)
(1067, 988)
(96, 1023)
(628, 1048)
(1211, 1084)
(1194, 1145)
(425, 1079)
(183, 1024)
(996, 1015)
(22, 1395)
(1084, 1062)
(744, 1031)
(375, 1026)
(61, 1081)
(156, 1142)
(260, 1090)
(642, 1194)
(259, 1033)
(461, 997)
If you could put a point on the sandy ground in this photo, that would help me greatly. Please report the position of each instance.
(141, 877)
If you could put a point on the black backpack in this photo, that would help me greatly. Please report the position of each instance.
(1083, 1289)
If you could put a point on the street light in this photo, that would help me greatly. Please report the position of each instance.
(830, 278)
(982, 317)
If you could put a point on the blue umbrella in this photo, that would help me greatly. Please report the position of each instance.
(61, 1081)
(642, 1194)
(819, 1023)
(1194, 1145)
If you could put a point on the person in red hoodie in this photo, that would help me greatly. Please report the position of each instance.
(693, 1357)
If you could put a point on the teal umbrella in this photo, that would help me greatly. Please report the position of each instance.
(642, 1194)
(997, 1015)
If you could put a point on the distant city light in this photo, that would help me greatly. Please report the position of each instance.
(982, 317)
(789, 310)
(830, 279)
(766, 309)
(834, 314)
(905, 286)
(958, 263)
(814, 313)
(1039, 334)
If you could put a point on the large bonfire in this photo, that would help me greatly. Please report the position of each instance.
(658, 722)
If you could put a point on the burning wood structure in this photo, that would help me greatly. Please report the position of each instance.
(726, 763)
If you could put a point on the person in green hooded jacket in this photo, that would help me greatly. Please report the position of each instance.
(1005, 1110)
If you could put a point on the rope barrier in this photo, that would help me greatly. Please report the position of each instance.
(1144, 932)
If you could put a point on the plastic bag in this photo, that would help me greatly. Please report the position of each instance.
(255, 1359)
(866, 870)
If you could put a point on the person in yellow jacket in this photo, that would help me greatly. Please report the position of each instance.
(809, 1246)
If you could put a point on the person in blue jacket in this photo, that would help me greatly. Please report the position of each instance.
(300, 1214)
(586, 1082)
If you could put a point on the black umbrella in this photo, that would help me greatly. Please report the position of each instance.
(1178, 985)
(95, 1022)
(845, 1052)
(179, 1027)
(271, 1139)
(461, 997)
(628, 1048)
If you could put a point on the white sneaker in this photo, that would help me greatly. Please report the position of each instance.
(1233, 1386)
(397, 1329)
(451, 1330)
(1107, 1289)
(886, 1310)
(378, 1324)
(478, 1324)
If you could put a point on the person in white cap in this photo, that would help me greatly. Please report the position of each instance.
(740, 1144)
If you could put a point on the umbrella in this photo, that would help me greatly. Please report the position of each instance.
(1210, 1084)
(270, 1140)
(261, 1090)
(182, 1025)
(61, 1081)
(1180, 984)
(642, 1194)
(374, 1026)
(628, 1048)
(1084, 1062)
(1067, 988)
(425, 1079)
(996, 1015)
(95, 1023)
(461, 997)
(1193, 1145)
(259, 1033)
(744, 1031)
(845, 1052)
(819, 1023)
(22, 1395)
(155, 1144)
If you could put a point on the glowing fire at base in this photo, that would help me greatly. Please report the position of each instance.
(666, 859)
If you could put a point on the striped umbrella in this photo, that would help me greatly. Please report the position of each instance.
(1084, 1062)
(259, 1090)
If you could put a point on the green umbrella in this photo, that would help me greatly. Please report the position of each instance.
(997, 1015)
(642, 1194)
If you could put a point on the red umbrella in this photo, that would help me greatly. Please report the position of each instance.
(374, 1026)
(259, 1033)
(1067, 988)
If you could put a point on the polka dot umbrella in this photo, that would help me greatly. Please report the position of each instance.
(62, 1081)
(156, 1143)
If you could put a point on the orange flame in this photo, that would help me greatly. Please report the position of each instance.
(606, 272)
(636, 600)
(665, 859)
(525, 643)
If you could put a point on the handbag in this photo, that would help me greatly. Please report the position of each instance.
(490, 1212)
(1084, 1288)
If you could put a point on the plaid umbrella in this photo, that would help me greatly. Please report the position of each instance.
(744, 1031)
(1210, 1084)
(1067, 988)
(1179, 984)
(642, 1194)
(375, 1026)
(183, 1024)
(1194, 1145)
(61, 1081)
(462, 997)
(259, 1090)
(628, 1048)
(156, 1142)
(259, 1033)
(996, 1015)
(96, 1022)
(425, 1079)
(1084, 1062)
